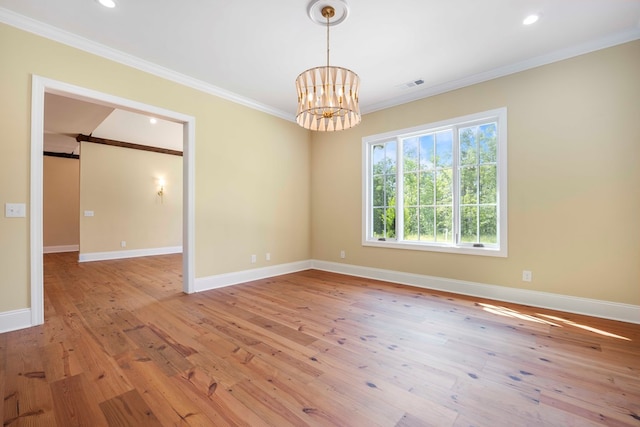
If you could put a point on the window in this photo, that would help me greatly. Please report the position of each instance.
(439, 187)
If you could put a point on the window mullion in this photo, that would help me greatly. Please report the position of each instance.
(478, 191)
(368, 195)
(456, 186)
(399, 191)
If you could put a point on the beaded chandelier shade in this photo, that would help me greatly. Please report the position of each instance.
(328, 95)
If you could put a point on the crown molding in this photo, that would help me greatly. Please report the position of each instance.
(56, 34)
(558, 55)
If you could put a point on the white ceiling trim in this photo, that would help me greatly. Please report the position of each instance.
(50, 32)
(39, 28)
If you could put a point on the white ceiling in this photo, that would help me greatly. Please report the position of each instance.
(137, 128)
(65, 118)
(251, 51)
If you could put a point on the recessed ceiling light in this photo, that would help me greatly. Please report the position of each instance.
(153, 120)
(531, 19)
(107, 3)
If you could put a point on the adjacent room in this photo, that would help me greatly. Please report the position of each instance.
(320, 213)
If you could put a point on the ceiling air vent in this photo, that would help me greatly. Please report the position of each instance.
(412, 83)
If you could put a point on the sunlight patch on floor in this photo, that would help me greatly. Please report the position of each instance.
(546, 319)
(585, 327)
(507, 312)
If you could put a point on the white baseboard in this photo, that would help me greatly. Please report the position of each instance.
(103, 256)
(62, 248)
(591, 307)
(228, 279)
(14, 320)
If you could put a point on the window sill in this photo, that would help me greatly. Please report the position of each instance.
(461, 250)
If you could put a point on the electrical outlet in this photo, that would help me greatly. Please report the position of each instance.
(15, 210)
(268, 256)
(343, 254)
(123, 244)
(526, 276)
(253, 259)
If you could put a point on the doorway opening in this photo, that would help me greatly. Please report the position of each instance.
(41, 86)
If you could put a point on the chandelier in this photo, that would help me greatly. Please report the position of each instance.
(328, 95)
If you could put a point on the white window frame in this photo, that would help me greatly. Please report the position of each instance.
(499, 250)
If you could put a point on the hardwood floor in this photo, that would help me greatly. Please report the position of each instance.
(123, 346)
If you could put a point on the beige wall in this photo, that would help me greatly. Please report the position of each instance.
(574, 174)
(252, 169)
(120, 186)
(61, 201)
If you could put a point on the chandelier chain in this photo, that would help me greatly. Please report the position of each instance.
(327, 13)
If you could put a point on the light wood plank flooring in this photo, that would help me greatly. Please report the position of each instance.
(123, 346)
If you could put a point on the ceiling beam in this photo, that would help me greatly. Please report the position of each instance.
(114, 143)
(63, 155)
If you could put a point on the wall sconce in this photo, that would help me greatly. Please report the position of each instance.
(161, 190)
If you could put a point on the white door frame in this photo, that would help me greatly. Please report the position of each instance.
(40, 86)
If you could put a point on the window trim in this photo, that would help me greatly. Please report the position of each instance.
(500, 114)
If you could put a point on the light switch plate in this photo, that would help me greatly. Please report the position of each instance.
(15, 210)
